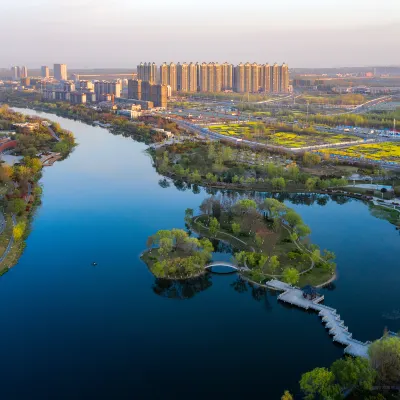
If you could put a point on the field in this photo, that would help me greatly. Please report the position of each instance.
(387, 151)
(259, 132)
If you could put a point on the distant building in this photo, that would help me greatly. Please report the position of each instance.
(69, 86)
(60, 72)
(147, 72)
(86, 85)
(146, 91)
(45, 72)
(78, 97)
(24, 72)
(15, 73)
(103, 88)
(26, 81)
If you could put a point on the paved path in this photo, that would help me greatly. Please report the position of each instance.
(2, 223)
(10, 243)
(52, 133)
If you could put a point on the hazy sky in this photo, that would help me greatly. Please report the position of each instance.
(104, 33)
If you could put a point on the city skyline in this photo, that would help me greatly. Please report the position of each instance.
(326, 35)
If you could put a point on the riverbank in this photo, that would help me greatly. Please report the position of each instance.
(20, 182)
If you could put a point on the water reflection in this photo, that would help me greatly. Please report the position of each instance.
(182, 289)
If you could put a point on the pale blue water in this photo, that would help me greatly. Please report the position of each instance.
(74, 331)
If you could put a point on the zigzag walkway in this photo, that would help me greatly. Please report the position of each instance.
(329, 316)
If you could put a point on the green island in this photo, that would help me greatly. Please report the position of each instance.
(177, 255)
(269, 241)
(34, 143)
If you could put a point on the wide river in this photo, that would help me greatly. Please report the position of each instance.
(71, 330)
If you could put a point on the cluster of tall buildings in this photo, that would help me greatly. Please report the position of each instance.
(215, 77)
(19, 72)
(148, 91)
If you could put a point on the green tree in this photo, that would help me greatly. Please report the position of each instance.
(311, 183)
(235, 228)
(188, 215)
(274, 264)
(16, 206)
(278, 183)
(214, 226)
(320, 384)
(385, 359)
(292, 218)
(310, 159)
(165, 246)
(195, 176)
(354, 372)
(291, 276)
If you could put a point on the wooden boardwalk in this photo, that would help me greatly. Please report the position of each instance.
(330, 318)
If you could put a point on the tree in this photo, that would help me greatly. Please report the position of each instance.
(188, 215)
(165, 246)
(354, 372)
(311, 183)
(320, 383)
(292, 218)
(287, 396)
(16, 206)
(19, 230)
(235, 228)
(274, 263)
(385, 359)
(278, 183)
(310, 159)
(291, 276)
(214, 226)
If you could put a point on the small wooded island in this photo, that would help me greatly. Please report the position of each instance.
(268, 241)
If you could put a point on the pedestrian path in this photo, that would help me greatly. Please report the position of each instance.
(330, 317)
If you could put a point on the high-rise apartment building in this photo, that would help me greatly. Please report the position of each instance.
(227, 76)
(275, 78)
(60, 72)
(203, 87)
(15, 73)
(147, 91)
(255, 78)
(172, 77)
(147, 72)
(214, 77)
(104, 88)
(239, 78)
(182, 72)
(45, 72)
(164, 74)
(247, 78)
(266, 78)
(86, 85)
(284, 78)
(192, 69)
(24, 72)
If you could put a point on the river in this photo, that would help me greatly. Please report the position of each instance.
(74, 330)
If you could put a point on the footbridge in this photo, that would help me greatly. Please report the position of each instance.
(225, 264)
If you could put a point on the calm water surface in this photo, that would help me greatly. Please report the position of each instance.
(74, 331)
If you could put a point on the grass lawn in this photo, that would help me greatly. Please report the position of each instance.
(276, 243)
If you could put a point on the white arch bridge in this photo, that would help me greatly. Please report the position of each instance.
(225, 264)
